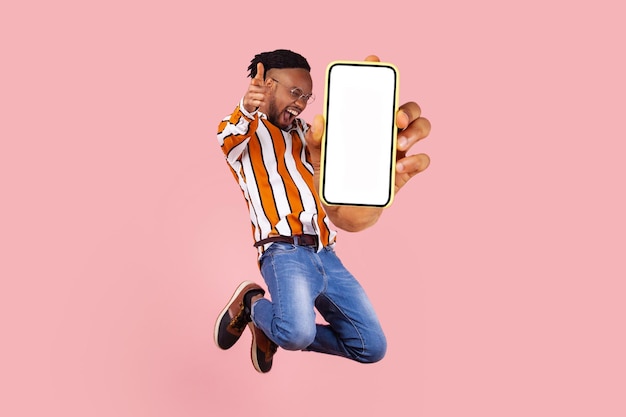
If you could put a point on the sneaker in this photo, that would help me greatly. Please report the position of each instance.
(233, 319)
(262, 350)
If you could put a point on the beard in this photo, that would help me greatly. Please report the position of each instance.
(279, 117)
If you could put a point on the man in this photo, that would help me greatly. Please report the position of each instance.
(275, 158)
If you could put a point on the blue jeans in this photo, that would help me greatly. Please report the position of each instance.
(300, 280)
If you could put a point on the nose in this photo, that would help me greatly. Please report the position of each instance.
(302, 101)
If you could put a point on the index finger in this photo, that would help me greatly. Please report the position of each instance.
(407, 113)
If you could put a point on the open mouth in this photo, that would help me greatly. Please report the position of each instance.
(292, 111)
(289, 115)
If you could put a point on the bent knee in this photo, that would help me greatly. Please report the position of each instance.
(373, 352)
(371, 356)
(295, 339)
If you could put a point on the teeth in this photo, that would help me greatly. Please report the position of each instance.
(292, 111)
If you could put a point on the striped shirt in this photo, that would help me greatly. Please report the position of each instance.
(273, 170)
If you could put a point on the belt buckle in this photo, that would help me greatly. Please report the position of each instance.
(304, 240)
(301, 240)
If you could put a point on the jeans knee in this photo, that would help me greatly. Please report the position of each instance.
(375, 355)
(295, 338)
(373, 352)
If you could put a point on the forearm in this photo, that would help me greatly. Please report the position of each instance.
(353, 218)
(348, 218)
(235, 130)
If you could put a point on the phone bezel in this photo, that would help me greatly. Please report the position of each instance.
(393, 136)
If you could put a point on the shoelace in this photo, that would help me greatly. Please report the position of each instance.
(240, 321)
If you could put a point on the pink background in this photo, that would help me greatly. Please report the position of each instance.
(498, 274)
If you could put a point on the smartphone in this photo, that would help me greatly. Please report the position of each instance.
(359, 144)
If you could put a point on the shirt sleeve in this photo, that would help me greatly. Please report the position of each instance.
(234, 132)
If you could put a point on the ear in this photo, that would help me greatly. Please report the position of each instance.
(270, 84)
(268, 78)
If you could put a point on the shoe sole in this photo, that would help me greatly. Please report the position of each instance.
(225, 311)
(263, 367)
(255, 358)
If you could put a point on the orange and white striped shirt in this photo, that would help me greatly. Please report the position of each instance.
(274, 172)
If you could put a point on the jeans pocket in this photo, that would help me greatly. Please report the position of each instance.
(277, 248)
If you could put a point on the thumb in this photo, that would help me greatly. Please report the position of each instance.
(372, 58)
(260, 72)
(315, 132)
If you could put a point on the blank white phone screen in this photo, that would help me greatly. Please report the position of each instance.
(359, 151)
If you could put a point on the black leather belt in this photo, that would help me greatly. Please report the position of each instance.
(300, 240)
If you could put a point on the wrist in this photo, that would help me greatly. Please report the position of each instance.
(247, 109)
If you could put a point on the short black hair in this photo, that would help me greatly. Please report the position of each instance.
(280, 58)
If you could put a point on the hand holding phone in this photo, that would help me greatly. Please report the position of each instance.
(359, 144)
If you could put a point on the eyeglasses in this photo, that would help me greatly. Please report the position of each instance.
(298, 94)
